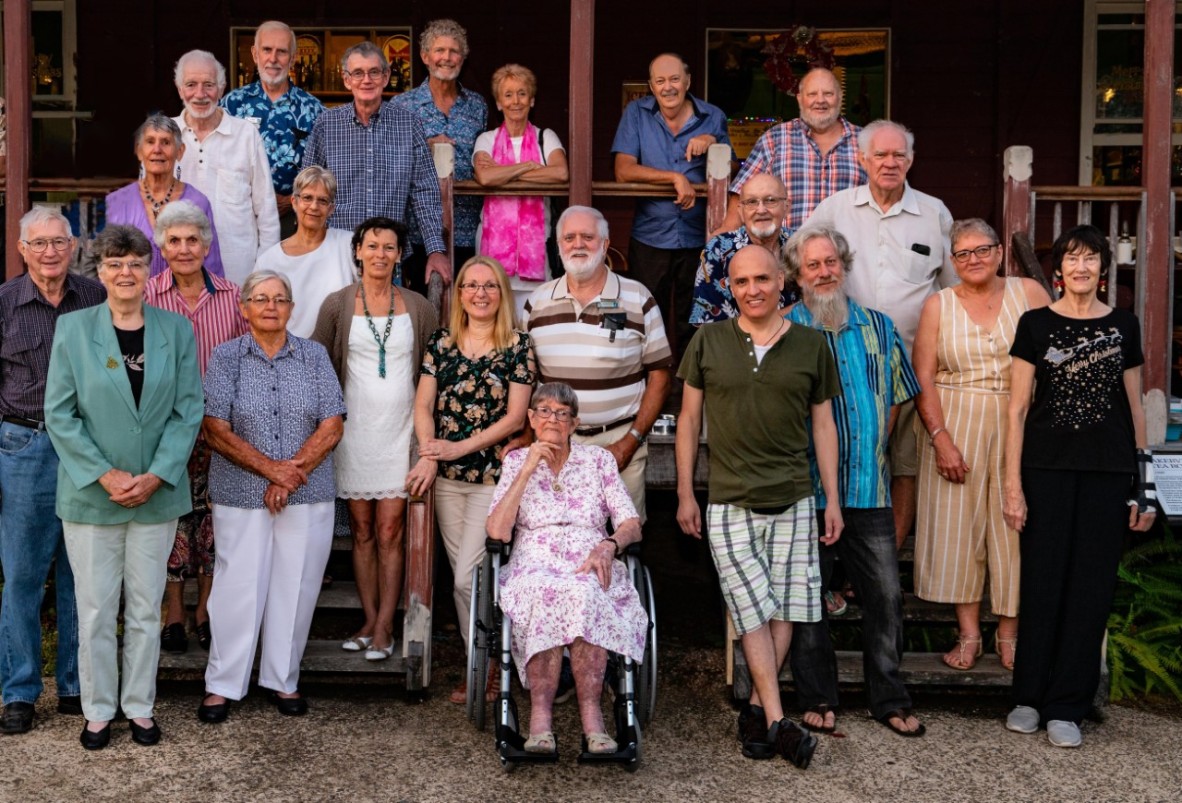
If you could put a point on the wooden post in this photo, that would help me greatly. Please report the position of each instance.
(18, 35)
(582, 60)
(1157, 247)
(1017, 168)
(718, 179)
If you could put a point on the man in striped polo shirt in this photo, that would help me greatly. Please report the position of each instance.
(876, 377)
(603, 335)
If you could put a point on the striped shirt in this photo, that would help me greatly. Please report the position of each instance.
(216, 318)
(605, 366)
(788, 152)
(875, 375)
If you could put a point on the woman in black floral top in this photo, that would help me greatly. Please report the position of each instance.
(473, 392)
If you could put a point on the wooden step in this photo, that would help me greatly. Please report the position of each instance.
(916, 611)
(319, 656)
(341, 595)
(918, 669)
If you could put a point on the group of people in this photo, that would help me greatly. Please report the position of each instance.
(270, 253)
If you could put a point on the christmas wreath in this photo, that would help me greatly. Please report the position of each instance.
(798, 45)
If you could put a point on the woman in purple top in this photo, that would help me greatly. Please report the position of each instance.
(158, 147)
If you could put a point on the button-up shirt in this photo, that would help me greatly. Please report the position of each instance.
(380, 167)
(788, 152)
(27, 323)
(274, 404)
(284, 125)
(712, 296)
(216, 317)
(230, 166)
(464, 123)
(644, 134)
(875, 375)
(903, 254)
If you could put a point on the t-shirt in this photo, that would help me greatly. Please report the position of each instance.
(1080, 419)
(756, 413)
(131, 344)
(313, 276)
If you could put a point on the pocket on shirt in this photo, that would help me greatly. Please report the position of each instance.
(17, 345)
(918, 269)
(233, 188)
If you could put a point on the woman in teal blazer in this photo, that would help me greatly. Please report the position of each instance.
(123, 404)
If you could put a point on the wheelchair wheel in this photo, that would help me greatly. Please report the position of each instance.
(646, 676)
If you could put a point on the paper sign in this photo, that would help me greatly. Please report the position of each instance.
(1167, 474)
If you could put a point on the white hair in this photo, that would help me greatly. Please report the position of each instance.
(866, 136)
(178, 74)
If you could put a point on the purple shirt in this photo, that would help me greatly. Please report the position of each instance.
(126, 206)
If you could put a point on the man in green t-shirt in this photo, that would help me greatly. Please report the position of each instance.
(763, 377)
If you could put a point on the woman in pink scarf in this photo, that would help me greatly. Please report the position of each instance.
(513, 229)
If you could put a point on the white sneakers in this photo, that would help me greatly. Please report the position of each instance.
(1060, 733)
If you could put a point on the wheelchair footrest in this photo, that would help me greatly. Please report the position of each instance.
(627, 754)
(511, 748)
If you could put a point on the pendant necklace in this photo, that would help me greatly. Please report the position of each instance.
(381, 341)
(157, 205)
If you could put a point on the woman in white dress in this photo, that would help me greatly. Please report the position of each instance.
(316, 260)
(375, 334)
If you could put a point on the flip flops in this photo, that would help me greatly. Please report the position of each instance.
(901, 714)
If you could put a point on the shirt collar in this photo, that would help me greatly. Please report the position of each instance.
(908, 203)
(372, 118)
(248, 345)
(610, 291)
(29, 291)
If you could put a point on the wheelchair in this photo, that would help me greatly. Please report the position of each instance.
(490, 635)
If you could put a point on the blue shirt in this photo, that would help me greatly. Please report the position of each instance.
(644, 135)
(284, 125)
(875, 375)
(468, 118)
(712, 295)
(274, 404)
(381, 169)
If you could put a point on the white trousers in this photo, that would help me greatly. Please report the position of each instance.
(107, 558)
(461, 508)
(267, 574)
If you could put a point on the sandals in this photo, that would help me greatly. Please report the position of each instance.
(543, 742)
(821, 710)
(835, 604)
(965, 654)
(356, 643)
(1012, 643)
(492, 689)
(902, 714)
(600, 743)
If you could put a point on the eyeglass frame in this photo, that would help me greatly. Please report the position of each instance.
(767, 203)
(965, 254)
(46, 242)
(546, 413)
(265, 301)
(472, 288)
(373, 73)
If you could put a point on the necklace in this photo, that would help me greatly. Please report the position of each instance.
(381, 341)
(157, 205)
(770, 337)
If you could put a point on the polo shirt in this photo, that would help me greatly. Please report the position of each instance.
(875, 375)
(284, 125)
(606, 367)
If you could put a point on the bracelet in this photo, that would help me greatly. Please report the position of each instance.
(615, 544)
(932, 437)
(635, 433)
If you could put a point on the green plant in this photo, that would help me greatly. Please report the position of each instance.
(1145, 626)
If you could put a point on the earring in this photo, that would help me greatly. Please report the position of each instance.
(1057, 283)
(178, 171)
(1103, 289)
(141, 178)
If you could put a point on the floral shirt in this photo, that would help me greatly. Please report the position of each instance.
(284, 125)
(471, 395)
(712, 297)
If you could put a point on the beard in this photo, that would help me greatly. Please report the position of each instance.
(830, 308)
(764, 230)
(821, 121)
(582, 267)
(273, 82)
(198, 114)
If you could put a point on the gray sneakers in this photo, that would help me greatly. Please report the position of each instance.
(1023, 719)
(1062, 733)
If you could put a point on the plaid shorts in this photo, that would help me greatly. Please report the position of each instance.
(768, 565)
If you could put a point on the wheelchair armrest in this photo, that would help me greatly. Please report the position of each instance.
(633, 549)
(495, 547)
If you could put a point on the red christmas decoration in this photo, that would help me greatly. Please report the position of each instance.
(798, 45)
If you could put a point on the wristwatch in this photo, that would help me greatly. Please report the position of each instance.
(636, 434)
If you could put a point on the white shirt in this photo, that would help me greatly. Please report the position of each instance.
(888, 273)
(313, 276)
(230, 166)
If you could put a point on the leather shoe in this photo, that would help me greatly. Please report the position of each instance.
(70, 704)
(290, 706)
(173, 638)
(17, 718)
(145, 736)
(204, 635)
(95, 741)
(213, 713)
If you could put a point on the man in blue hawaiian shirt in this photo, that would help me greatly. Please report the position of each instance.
(762, 204)
(283, 113)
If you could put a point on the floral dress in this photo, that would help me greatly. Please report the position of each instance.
(560, 520)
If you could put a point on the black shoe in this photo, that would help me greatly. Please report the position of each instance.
(70, 704)
(95, 741)
(173, 638)
(752, 723)
(145, 736)
(213, 713)
(17, 718)
(290, 706)
(204, 635)
(792, 742)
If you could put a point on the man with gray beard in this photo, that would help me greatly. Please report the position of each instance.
(876, 377)
(603, 335)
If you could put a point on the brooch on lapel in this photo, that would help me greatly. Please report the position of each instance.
(111, 363)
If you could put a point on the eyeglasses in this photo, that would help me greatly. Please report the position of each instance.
(116, 266)
(981, 251)
(312, 200)
(39, 245)
(473, 288)
(373, 74)
(561, 416)
(753, 203)
(262, 301)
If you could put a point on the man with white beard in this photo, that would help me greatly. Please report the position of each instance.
(762, 203)
(602, 334)
(283, 113)
(876, 377)
(225, 159)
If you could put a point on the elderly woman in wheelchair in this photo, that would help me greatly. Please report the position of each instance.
(563, 586)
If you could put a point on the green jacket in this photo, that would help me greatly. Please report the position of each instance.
(95, 425)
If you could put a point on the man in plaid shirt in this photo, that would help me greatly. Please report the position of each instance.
(815, 155)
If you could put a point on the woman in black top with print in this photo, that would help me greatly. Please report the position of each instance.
(1077, 475)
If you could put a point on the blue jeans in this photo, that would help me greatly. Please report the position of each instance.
(31, 540)
(867, 551)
